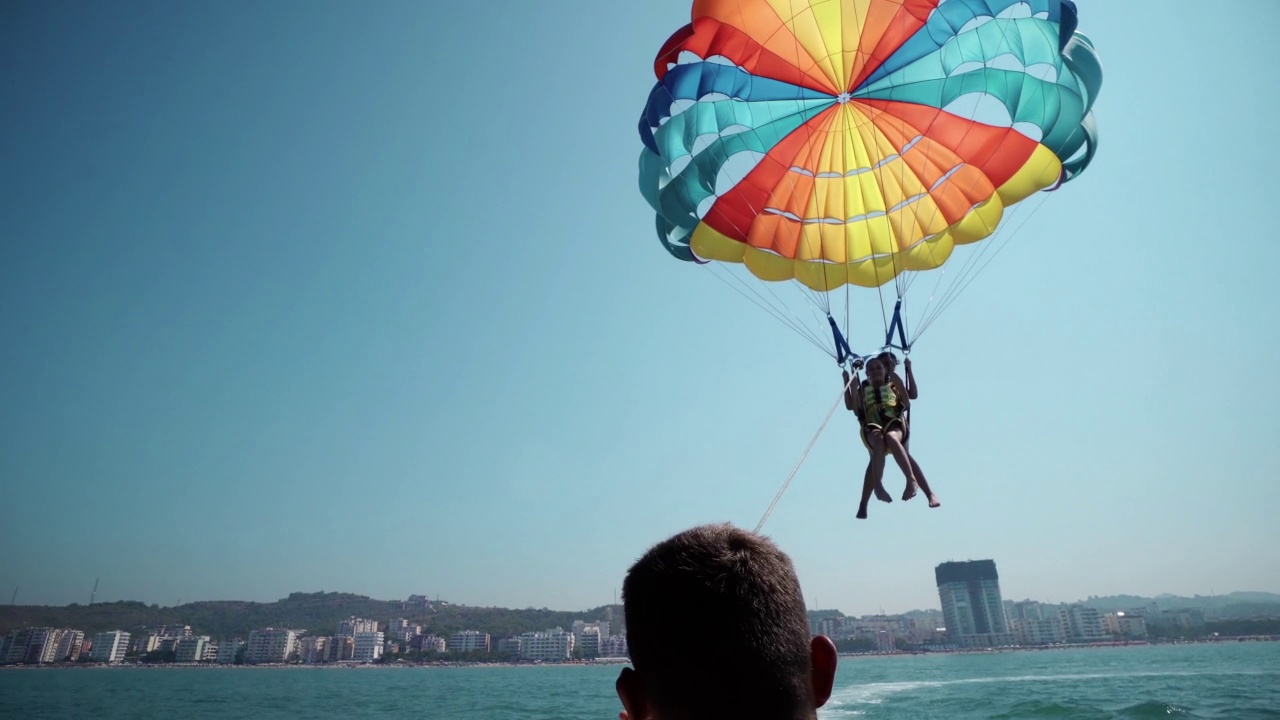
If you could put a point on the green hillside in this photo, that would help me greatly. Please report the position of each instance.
(317, 613)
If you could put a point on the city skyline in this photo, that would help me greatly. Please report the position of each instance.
(369, 297)
(972, 617)
(812, 603)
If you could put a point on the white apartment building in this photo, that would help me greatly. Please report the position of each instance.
(432, 643)
(109, 647)
(270, 645)
(1129, 626)
(314, 649)
(509, 647)
(553, 644)
(402, 630)
(190, 649)
(1084, 624)
(43, 645)
(144, 644)
(353, 625)
(469, 640)
(69, 645)
(1041, 631)
(368, 646)
(227, 650)
(615, 646)
(15, 646)
(588, 637)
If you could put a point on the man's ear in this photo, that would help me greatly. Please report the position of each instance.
(631, 692)
(822, 668)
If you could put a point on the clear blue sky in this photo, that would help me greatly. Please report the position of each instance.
(302, 296)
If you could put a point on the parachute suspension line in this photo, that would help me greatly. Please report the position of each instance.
(796, 325)
(805, 454)
(848, 320)
(817, 309)
(814, 306)
(962, 272)
(956, 291)
(965, 273)
(975, 264)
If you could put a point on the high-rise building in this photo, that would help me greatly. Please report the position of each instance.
(43, 644)
(270, 645)
(69, 645)
(553, 644)
(367, 646)
(190, 649)
(587, 637)
(228, 648)
(971, 604)
(469, 640)
(110, 646)
(15, 646)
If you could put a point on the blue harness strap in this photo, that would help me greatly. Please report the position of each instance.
(843, 352)
(896, 325)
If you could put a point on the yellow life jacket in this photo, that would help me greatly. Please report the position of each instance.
(880, 405)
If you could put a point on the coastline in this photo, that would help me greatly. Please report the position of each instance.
(403, 665)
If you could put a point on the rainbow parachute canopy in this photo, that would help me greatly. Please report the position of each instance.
(847, 141)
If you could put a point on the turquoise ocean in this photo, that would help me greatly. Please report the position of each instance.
(1230, 680)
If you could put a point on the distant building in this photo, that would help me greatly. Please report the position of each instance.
(1040, 631)
(402, 630)
(43, 645)
(174, 631)
(614, 646)
(469, 640)
(31, 646)
(509, 647)
(15, 646)
(341, 648)
(270, 645)
(227, 650)
(109, 647)
(1189, 618)
(587, 637)
(314, 649)
(1125, 625)
(190, 649)
(885, 642)
(832, 627)
(144, 644)
(353, 625)
(1023, 610)
(971, 604)
(367, 646)
(553, 644)
(69, 646)
(1084, 624)
(428, 643)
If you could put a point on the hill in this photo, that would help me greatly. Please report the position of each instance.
(317, 613)
(1215, 607)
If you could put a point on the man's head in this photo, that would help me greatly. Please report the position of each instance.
(716, 627)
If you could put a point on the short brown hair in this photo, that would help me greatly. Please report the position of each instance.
(716, 626)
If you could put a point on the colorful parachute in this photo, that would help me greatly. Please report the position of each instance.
(844, 142)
